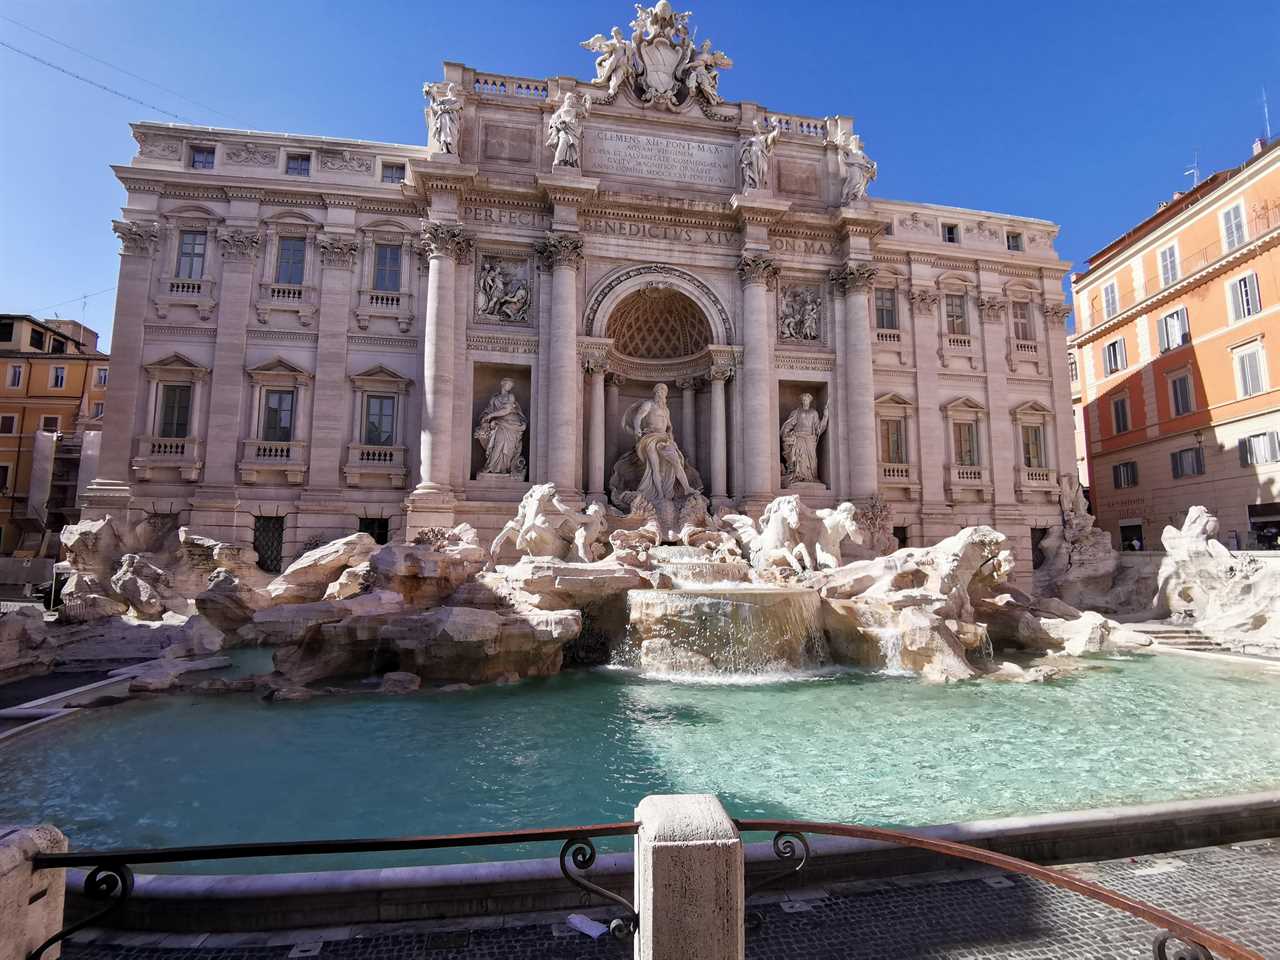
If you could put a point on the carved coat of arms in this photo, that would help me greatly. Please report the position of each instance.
(660, 64)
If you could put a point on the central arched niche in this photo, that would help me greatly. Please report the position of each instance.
(658, 323)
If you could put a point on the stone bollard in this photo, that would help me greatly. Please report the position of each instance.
(689, 880)
(30, 900)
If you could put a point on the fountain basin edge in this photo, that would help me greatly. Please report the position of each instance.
(261, 902)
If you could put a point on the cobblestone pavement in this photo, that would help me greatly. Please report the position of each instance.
(957, 915)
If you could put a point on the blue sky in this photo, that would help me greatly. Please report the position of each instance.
(1085, 114)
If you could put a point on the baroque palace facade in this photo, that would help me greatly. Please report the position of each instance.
(315, 335)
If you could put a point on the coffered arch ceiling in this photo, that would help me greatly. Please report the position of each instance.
(658, 324)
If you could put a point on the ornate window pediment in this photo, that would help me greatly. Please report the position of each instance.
(893, 400)
(1031, 409)
(963, 405)
(176, 367)
(380, 379)
(278, 371)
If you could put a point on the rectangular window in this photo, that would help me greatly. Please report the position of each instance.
(6, 331)
(1181, 389)
(1113, 357)
(277, 416)
(950, 233)
(1021, 312)
(202, 158)
(1013, 241)
(191, 245)
(1188, 462)
(58, 378)
(957, 321)
(1173, 330)
(392, 172)
(1169, 265)
(1073, 368)
(1233, 226)
(1260, 448)
(1249, 366)
(292, 260)
(98, 409)
(887, 309)
(1110, 301)
(893, 447)
(58, 346)
(380, 421)
(4, 476)
(1032, 445)
(1120, 414)
(298, 165)
(37, 339)
(965, 437)
(101, 376)
(15, 375)
(50, 423)
(8, 423)
(386, 267)
(1245, 301)
(175, 410)
(1124, 475)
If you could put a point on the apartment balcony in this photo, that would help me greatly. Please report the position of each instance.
(1037, 483)
(967, 483)
(372, 465)
(1022, 352)
(162, 457)
(959, 350)
(299, 298)
(900, 481)
(264, 460)
(175, 291)
(382, 303)
(892, 347)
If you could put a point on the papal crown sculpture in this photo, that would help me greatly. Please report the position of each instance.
(660, 64)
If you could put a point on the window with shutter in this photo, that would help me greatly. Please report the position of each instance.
(1245, 301)
(1249, 364)
(1110, 301)
(1169, 266)
(1181, 387)
(1120, 414)
(1233, 227)
(175, 410)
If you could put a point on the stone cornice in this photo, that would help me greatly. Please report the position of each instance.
(757, 208)
(433, 175)
(567, 189)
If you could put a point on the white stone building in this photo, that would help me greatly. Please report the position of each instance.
(309, 329)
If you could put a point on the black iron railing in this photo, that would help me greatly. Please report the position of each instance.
(1193, 942)
(110, 877)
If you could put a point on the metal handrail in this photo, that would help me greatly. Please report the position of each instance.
(111, 876)
(1200, 940)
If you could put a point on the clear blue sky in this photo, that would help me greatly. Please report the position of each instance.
(1085, 114)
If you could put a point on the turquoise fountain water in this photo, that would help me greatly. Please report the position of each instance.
(583, 747)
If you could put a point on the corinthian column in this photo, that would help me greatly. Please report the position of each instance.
(758, 274)
(719, 435)
(688, 426)
(853, 285)
(595, 445)
(443, 246)
(562, 252)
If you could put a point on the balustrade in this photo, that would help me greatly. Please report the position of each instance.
(167, 453)
(495, 85)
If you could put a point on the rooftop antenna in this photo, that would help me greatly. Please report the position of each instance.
(1266, 114)
(1193, 171)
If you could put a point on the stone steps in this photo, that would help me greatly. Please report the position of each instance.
(1182, 636)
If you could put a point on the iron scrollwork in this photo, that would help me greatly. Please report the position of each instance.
(110, 882)
(790, 847)
(582, 853)
(1182, 949)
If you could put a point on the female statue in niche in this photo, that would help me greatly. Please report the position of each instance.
(800, 436)
(500, 432)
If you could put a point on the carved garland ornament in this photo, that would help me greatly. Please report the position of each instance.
(251, 155)
(661, 269)
(445, 240)
(923, 299)
(560, 250)
(137, 238)
(347, 161)
(238, 244)
(991, 309)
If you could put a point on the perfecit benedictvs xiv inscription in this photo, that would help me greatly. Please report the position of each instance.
(660, 158)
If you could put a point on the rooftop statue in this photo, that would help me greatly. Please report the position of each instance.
(564, 130)
(754, 155)
(444, 115)
(859, 169)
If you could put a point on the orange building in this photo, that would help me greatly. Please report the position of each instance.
(53, 391)
(1177, 363)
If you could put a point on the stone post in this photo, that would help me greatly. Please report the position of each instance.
(719, 436)
(758, 274)
(443, 245)
(30, 900)
(853, 284)
(613, 396)
(329, 433)
(562, 252)
(109, 491)
(688, 880)
(595, 445)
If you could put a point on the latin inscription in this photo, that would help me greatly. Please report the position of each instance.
(660, 158)
(791, 245)
(504, 217)
(611, 227)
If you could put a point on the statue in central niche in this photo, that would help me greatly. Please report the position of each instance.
(800, 436)
(655, 479)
